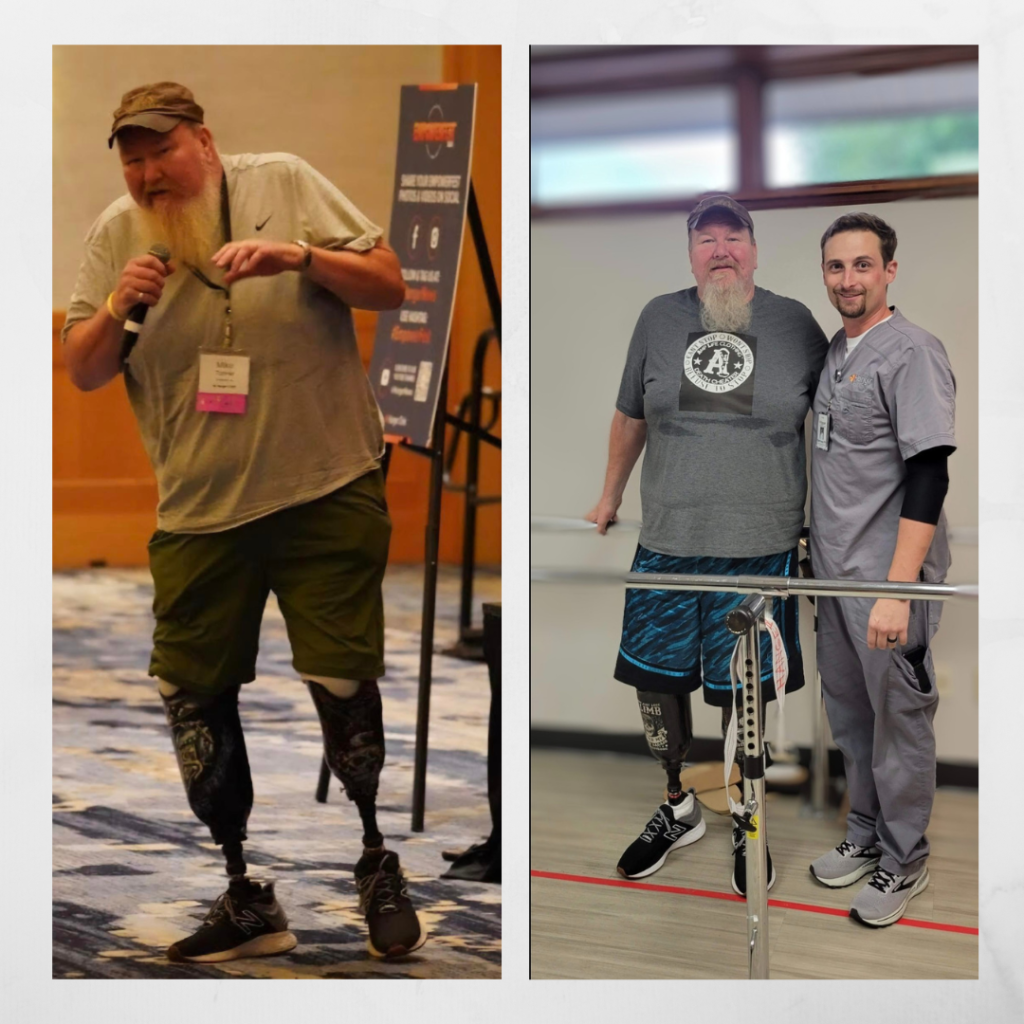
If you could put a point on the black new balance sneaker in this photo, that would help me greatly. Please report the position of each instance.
(395, 927)
(246, 920)
(739, 862)
(670, 829)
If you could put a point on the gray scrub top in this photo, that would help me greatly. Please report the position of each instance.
(894, 398)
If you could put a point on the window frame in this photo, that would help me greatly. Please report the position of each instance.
(595, 70)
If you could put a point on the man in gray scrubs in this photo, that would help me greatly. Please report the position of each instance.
(883, 425)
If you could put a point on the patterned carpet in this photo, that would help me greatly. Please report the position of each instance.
(134, 870)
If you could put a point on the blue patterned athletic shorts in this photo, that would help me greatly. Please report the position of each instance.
(675, 641)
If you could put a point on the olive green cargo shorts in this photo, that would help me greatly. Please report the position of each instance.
(324, 560)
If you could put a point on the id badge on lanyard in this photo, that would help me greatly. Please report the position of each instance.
(223, 382)
(823, 422)
(823, 428)
(224, 371)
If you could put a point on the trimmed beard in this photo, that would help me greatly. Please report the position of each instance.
(857, 312)
(725, 307)
(190, 228)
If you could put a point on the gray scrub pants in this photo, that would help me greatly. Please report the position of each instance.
(882, 722)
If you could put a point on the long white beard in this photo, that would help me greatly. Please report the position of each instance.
(190, 228)
(725, 307)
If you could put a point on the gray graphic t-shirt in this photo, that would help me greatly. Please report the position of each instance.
(724, 470)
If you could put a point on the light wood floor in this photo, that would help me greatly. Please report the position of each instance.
(587, 808)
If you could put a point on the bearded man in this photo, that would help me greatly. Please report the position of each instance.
(717, 385)
(266, 442)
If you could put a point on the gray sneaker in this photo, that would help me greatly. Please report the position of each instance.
(845, 864)
(884, 899)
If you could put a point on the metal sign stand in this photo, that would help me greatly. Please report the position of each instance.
(435, 452)
(470, 645)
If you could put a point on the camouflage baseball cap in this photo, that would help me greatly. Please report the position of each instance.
(727, 203)
(158, 107)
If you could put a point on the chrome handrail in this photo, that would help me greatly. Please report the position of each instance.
(769, 586)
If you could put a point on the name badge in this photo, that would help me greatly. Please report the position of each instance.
(824, 427)
(223, 383)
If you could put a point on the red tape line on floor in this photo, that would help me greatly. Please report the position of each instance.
(809, 908)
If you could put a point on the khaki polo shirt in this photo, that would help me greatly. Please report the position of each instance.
(312, 423)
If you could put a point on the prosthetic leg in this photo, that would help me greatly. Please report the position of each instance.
(353, 727)
(668, 725)
(208, 742)
(210, 747)
(352, 721)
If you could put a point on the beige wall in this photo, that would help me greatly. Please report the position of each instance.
(589, 281)
(335, 106)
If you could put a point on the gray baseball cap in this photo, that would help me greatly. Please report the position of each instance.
(720, 202)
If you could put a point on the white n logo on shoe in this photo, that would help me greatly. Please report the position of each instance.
(673, 829)
(248, 921)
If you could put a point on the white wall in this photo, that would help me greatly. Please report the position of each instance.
(335, 106)
(589, 280)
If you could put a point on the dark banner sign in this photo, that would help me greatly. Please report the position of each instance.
(435, 141)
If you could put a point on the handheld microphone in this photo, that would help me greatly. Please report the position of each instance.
(137, 316)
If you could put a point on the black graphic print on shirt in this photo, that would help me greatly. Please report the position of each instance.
(718, 373)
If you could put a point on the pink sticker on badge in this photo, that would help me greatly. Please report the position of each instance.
(206, 402)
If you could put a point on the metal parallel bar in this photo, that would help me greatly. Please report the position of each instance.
(769, 586)
(785, 586)
(560, 524)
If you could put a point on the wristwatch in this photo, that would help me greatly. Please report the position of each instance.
(308, 253)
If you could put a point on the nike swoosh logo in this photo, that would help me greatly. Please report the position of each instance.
(260, 227)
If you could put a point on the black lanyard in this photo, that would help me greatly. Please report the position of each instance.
(225, 219)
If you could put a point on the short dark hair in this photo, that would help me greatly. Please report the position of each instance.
(863, 222)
